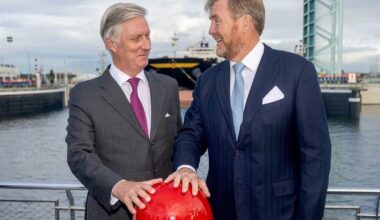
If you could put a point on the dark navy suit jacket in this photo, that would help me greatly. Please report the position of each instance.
(278, 168)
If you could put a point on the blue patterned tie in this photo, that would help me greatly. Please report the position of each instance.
(237, 99)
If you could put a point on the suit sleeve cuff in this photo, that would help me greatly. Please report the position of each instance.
(187, 166)
(113, 199)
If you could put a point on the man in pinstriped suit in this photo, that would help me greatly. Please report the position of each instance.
(260, 114)
(122, 125)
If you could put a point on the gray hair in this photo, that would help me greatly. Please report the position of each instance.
(115, 15)
(254, 8)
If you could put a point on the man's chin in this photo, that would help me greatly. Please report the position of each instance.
(143, 61)
(220, 53)
(143, 64)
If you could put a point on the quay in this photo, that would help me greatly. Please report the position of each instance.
(371, 96)
(16, 102)
(341, 100)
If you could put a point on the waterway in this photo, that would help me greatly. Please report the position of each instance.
(32, 149)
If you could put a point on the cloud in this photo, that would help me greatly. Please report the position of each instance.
(361, 57)
(64, 34)
(283, 21)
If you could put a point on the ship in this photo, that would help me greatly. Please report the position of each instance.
(341, 94)
(10, 76)
(197, 59)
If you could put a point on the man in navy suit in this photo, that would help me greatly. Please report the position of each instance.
(261, 117)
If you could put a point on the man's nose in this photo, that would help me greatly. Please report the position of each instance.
(146, 44)
(211, 30)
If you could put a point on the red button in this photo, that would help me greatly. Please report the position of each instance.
(169, 203)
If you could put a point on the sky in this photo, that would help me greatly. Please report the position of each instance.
(63, 35)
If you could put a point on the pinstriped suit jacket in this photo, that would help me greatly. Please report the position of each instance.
(278, 168)
(106, 143)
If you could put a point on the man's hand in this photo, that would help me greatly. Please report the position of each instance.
(187, 176)
(132, 193)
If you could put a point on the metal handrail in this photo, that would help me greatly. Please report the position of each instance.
(77, 186)
(353, 191)
(356, 192)
(47, 186)
(44, 186)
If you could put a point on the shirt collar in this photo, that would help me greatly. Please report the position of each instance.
(122, 77)
(252, 60)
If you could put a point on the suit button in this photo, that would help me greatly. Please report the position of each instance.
(152, 143)
(155, 171)
(237, 152)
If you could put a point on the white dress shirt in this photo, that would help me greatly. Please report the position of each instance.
(251, 62)
(143, 91)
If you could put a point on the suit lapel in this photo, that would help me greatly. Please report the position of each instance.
(223, 92)
(265, 74)
(115, 97)
(157, 96)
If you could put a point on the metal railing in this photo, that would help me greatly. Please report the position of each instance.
(357, 209)
(23, 209)
(71, 208)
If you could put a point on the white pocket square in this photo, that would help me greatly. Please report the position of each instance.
(273, 95)
(167, 115)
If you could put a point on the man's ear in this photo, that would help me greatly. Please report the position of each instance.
(110, 44)
(246, 22)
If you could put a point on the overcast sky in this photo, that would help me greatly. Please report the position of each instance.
(64, 34)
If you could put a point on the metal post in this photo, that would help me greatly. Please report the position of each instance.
(174, 43)
(56, 203)
(29, 68)
(377, 207)
(66, 96)
(71, 202)
(357, 212)
(322, 43)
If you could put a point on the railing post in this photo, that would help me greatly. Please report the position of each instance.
(377, 207)
(56, 211)
(357, 216)
(71, 204)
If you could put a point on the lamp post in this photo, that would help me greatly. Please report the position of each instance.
(174, 44)
(9, 40)
(38, 76)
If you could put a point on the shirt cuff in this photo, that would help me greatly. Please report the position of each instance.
(187, 166)
(113, 199)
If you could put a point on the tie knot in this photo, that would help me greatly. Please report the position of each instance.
(134, 82)
(238, 68)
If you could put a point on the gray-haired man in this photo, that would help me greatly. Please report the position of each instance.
(122, 124)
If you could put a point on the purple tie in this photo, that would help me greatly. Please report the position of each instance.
(138, 108)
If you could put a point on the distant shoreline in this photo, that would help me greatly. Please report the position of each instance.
(369, 97)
